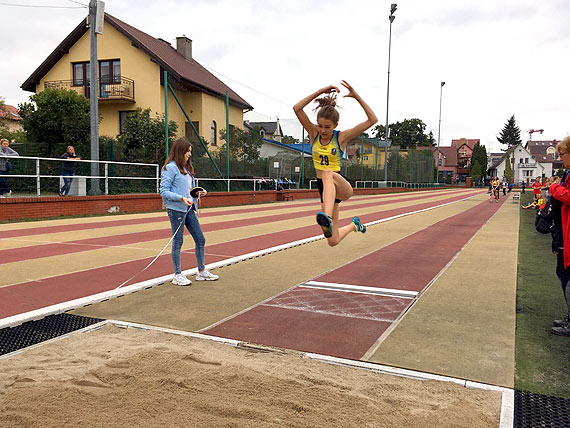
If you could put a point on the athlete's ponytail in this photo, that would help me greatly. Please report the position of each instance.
(326, 108)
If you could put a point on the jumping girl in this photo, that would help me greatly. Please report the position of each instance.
(328, 146)
(176, 183)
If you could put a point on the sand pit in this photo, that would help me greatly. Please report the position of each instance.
(116, 377)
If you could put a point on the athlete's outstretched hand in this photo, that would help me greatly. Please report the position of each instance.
(351, 92)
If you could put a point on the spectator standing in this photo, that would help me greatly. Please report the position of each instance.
(179, 195)
(68, 169)
(5, 166)
(523, 185)
(536, 187)
(561, 237)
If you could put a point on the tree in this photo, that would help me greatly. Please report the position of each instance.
(55, 119)
(409, 133)
(510, 134)
(3, 120)
(244, 145)
(143, 138)
(287, 139)
(508, 167)
(479, 155)
(476, 172)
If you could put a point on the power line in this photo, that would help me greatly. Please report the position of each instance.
(82, 4)
(39, 6)
(249, 87)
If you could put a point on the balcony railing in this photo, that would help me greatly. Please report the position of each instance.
(118, 89)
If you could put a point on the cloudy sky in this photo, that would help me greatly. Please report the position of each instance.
(497, 57)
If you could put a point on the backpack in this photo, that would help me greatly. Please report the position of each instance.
(544, 221)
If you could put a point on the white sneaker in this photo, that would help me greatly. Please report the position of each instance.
(206, 276)
(181, 280)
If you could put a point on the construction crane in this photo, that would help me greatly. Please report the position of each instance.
(532, 131)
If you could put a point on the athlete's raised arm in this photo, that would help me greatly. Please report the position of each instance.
(348, 134)
(309, 126)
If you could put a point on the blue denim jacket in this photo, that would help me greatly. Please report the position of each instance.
(174, 185)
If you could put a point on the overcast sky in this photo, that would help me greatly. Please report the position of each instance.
(497, 57)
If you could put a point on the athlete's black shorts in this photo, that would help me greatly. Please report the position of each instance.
(320, 187)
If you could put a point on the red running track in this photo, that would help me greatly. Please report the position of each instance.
(23, 297)
(348, 324)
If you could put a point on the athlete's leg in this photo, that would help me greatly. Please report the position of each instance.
(339, 233)
(335, 186)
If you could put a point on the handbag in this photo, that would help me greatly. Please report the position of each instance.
(544, 221)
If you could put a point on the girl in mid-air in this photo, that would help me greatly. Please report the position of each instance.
(328, 146)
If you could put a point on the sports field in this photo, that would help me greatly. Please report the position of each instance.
(412, 323)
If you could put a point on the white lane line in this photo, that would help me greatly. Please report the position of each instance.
(106, 295)
(349, 288)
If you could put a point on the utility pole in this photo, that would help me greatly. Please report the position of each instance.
(96, 18)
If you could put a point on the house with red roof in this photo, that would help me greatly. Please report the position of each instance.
(10, 118)
(130, 69)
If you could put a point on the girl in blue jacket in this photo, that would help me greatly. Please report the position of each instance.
(176, 182)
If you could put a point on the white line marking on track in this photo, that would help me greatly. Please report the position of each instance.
(329, 313)
(349, 288)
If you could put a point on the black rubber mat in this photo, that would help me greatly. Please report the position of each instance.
(34, 332)
(537, 410)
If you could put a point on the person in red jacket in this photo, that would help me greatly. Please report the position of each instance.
(561, 245)
(536, 186)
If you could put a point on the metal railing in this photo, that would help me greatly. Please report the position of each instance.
(258, 184)
(38, 176)
(383, 184)
(118, 89)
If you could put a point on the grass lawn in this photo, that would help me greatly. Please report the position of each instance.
(542, 359)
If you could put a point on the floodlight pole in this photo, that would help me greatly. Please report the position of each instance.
(439, 128)
(393, 8)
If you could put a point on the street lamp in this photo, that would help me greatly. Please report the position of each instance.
(439, 128)
(393, 8)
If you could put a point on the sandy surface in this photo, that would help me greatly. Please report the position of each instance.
(137, 378)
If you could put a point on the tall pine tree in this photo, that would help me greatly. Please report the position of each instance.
(510, 134)
(479, 155)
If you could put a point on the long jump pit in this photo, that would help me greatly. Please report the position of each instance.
(120, 374)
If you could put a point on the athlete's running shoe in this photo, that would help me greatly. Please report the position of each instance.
(326, 224)
(358, 226)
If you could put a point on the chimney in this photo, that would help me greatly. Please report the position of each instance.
(184, 47)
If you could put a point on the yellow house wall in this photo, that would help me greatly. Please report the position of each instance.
(202, 108)
(148, 92)
(372, 155)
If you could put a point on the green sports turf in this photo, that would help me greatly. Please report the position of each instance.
(542, 359)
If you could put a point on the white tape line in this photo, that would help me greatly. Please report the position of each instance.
(360, 289)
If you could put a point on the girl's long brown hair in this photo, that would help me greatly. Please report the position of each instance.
(177, 152)
(326, 108)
